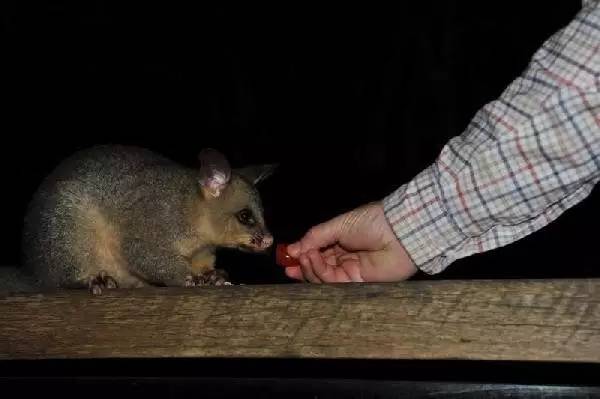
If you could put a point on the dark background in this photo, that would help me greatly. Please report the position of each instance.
(352, 101)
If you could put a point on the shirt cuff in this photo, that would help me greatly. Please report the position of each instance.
(418, 217)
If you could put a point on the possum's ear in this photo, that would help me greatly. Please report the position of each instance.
(257, 173)
(215, 172)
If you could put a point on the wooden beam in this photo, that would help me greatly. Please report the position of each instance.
(551, 320)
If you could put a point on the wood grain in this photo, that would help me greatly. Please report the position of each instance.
(548, 320)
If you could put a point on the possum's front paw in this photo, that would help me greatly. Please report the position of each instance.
(102, 280)
(192, 281)
(211, 277)
(216, 277)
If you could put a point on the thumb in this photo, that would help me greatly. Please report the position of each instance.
(319, 236)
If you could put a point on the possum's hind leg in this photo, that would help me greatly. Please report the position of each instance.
(71, 241)
(98, 242)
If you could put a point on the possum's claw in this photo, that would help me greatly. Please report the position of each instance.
(211, 277)
(97, 283)
(192, 281)
(216, 277)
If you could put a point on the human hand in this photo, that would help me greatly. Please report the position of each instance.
(358, 246)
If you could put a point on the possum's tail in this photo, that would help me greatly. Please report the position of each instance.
(15, 280)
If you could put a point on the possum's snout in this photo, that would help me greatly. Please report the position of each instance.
(267, 241)
(261, 241)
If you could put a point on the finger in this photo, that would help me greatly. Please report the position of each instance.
(334, 250)
(323, 271)
(352, 267)
(339, 250)
(348, 257)
(319, 236)
(294, 272)
(307, 269)
(328, 252)
(353, 272)
(328, 270)
(331, 260)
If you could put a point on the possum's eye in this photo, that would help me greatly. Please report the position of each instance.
(246, 217)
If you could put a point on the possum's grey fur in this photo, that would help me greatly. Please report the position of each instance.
(136, 216)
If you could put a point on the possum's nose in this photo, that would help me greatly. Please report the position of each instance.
(261, 241)
(267, 241)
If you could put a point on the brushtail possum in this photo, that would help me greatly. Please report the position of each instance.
(121, 216)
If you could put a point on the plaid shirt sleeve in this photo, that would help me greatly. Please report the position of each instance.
(522, 161)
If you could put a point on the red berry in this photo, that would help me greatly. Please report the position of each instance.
(282, 258)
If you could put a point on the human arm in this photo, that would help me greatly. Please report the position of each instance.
(524, 159)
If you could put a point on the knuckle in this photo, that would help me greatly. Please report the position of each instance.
(312, 234)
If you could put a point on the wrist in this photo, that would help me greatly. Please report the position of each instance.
(419, 220)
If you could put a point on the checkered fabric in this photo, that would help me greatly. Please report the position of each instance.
(522, 161)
